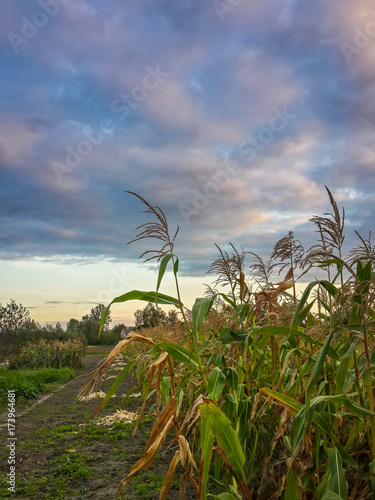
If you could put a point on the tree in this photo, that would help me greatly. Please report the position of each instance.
(90, 324)
(90, 329)
(172, 317)
(16, 328)
(96, 314)
(149, 316)
(73, 328)
(56, 332)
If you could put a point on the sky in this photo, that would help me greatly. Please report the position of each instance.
(230, 115)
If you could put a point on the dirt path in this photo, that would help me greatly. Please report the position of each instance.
(61, 452)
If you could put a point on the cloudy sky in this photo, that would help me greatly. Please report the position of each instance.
(230, 115)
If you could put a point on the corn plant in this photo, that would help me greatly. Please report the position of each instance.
(274, 400)
(50, 354)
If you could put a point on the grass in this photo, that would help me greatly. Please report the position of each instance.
(72, 464)
(29, 384)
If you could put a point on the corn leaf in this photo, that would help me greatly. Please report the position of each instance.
(331, 289)
(292, 491)
(169, 478)
(115, 386)
(138, 295)
(216, 384)
(162, 268)
(225, 496)
(178, 353)
(207, 440)
(331, 495)
(337, 483)
(228, 441)
(201, 308)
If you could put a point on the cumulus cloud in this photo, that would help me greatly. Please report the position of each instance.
(227, 79)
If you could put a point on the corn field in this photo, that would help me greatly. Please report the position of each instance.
(50, 354)
(269, 395)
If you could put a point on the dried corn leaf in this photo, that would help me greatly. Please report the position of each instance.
(149, 455)
(185, 453)
(119, 416)
(170, 475)
(96, 375)
(168, 412)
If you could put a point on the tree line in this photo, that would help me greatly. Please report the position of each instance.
(17, 327)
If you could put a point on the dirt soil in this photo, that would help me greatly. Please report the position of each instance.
(61, 452)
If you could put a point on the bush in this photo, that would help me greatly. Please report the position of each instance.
(28, 384)
(50, 354)
(107, 338)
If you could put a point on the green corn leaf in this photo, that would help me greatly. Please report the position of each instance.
(227, 299)
(138, 295)
(115, 386)
(292, 491)
(227, 439)
(322, 422)
(337, 483)
(232, 376)
(320, 360)
(228, 335)
(207, 440)
(331, 289)
(282, 330)
(343, 368)
(200, 311)
(162, 268)
(319, 364)
(343, 399)
(175, 266)
(216, 384)
(225, 496)
(178, 353)
(242, 312)
(331, 495)
(297, 320)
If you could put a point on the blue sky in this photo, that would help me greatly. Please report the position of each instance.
(230, 115)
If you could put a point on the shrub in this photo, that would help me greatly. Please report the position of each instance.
(28, 384)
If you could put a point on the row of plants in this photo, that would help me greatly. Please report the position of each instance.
(29, 384)
(50, 354)
(268, 395)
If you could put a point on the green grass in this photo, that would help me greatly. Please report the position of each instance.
(71, 465)
(28, 384)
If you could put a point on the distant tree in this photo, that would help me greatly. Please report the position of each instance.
(90, 324)
(172, 317)
(73, 327)
(149, 316)
(107, 338)
(90, 329)
(56, 332)
(96, 314)
(16, 328)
